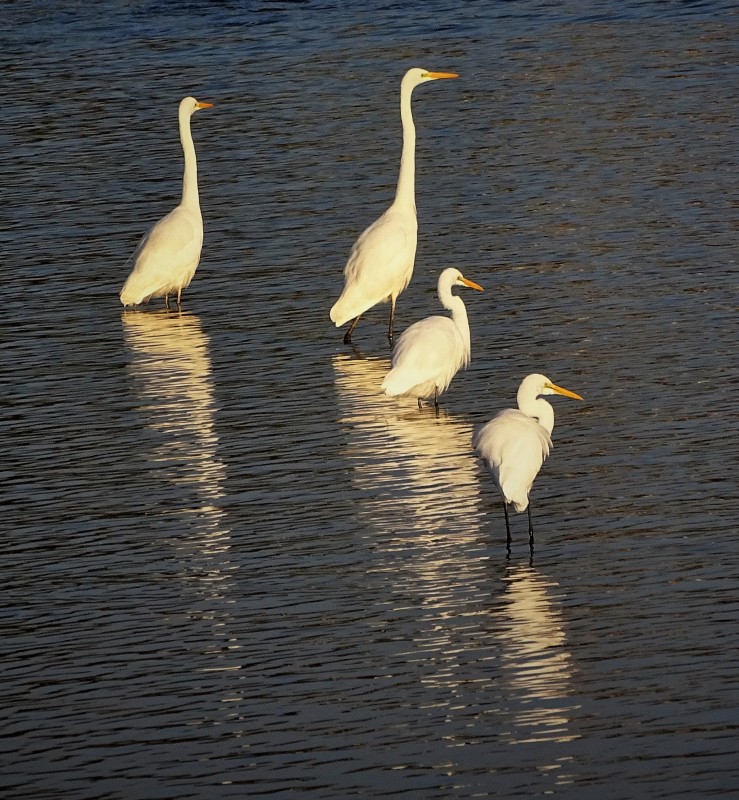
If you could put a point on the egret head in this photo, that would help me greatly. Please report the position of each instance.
(416, 75)
(189, 105)
(535, 385)
(453, 277)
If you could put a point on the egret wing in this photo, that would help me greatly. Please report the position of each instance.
(166, 257)
(427, 345)
(380, 265)
(427, 354)
(514, 446)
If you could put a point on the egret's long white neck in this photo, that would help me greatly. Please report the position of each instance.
(190, 179)
(405, 194)
(539, 408)
(459, 316)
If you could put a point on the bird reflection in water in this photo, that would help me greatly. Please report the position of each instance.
(415, 469)
(535, 664)
(172, 372)
(171, 369)
(417, 510)
(421, 501)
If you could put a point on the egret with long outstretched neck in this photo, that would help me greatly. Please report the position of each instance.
(168, 255)
(381, 261)
(514, 444)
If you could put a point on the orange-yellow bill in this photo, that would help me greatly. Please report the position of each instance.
(472, 284)
(436, 75)
(564, 392)
(204, 105)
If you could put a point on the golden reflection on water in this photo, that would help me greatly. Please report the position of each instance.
(419, 476)
(171, 370)
(415, 469)
(535, 660)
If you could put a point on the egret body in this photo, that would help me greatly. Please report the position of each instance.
(430, 353)
(514, 444)
(166, 258)
(381, 261)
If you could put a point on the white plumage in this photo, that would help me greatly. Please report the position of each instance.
(515, 443)
(168, 255)
(514, 446)
(381, 261)
(429, 353)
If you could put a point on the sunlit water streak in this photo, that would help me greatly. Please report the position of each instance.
(171, 370)
(535, 662)
(418, 484)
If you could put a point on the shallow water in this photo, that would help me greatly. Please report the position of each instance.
(231, 566)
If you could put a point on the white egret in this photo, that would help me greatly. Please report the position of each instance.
(166, 258)
(514, 444)
(430, 353)
(381, 261)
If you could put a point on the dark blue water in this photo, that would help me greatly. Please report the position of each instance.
(231, 566)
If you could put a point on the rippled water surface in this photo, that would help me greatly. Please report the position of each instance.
(231, 566)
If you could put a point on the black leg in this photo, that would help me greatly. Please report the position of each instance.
(419, 403)
(392, 319)
(507, 529)
(436, 398)
(350, 331)
(531, 532)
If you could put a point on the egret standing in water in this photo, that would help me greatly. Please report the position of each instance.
(381, 262)
(166, 258)
(430, 353)
(514, 444)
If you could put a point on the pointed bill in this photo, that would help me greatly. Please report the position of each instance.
(563, 392)
(471, 284)
(437, 75)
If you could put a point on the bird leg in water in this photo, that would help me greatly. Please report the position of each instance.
(531, 531)
(392, 318)
(419, 403)
(507, 528)
(166, 301)
(350, 330)
(436, 398)
(179, 295)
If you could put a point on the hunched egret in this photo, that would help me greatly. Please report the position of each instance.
(430, 353)
(381, 261)
(166, 258)
(514, 444)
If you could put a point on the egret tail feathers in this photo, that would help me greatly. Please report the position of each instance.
(393, 385)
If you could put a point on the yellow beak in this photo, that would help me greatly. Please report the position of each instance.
(436, 75)
(203, 105)
(564, 392)
(471, 284)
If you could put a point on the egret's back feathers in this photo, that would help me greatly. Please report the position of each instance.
(380, 265)
(513, 447)
(166, 258)
(427, 356)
